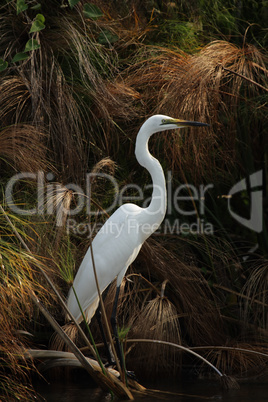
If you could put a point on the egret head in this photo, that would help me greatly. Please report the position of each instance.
(155, 124)
(161, 123)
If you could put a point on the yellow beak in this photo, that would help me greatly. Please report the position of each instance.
(183, 123)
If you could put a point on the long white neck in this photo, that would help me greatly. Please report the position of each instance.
(155, 212)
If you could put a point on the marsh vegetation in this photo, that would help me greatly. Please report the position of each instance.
(77, 80)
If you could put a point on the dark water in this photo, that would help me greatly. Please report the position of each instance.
(81, 391)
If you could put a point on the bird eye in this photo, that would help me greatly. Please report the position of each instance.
(164, 121)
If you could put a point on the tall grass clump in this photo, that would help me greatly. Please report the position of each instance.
(201, 87)
(65, 87)
(18, 282)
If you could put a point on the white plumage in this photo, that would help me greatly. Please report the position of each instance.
(118, 242)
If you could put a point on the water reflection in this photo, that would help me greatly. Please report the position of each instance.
(82, 391)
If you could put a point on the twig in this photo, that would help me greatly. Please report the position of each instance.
(147, 281)
(175, 345)
(245, 78)
(229, 348)
(239, 295)
(59, 354)
(163, 287)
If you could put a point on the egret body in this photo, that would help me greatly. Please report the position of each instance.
(119, 241)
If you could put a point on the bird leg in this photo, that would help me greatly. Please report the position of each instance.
(106, 346)
(115, 330)
(129, 374)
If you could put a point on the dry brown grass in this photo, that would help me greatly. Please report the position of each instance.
(23, 147)
(256, 290)
(102, 98)
(152, 73)
(17, 282)
(237, 359)
(189, 292)
(203, 87)
(68, 90)
(185, 312)
(14, 98)
(14, 369)
(157, 320)
(188, 313)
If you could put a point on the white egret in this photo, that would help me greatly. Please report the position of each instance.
(119, 241)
